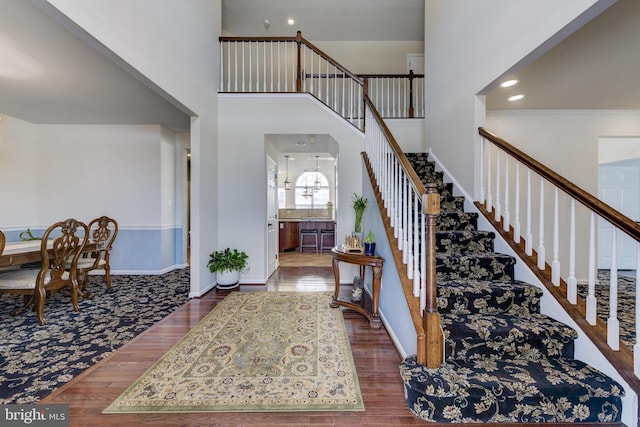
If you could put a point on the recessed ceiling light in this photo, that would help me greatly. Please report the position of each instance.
(301, 143)
(509, 83)
(516, 97)
(290, 21)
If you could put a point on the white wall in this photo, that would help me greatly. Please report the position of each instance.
(79, 171)
(409, 134)
(173, 44)
(565, 141)
(128, 172)
(372, 57)
(467, 46)
(244, 122)
(18, 173)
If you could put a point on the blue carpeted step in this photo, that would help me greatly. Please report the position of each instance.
(475, 266)
(456, 221)
(505, 336)
(489, 390)
(488, 297)
(458, 241)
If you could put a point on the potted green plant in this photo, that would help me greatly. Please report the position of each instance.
(360, 203)
(227, 264)
(370, 244)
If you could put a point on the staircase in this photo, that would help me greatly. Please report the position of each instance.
(505, 362)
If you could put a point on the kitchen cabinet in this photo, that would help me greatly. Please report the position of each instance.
(288, 235)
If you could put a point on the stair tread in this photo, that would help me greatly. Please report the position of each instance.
(504, 335)
(494, 390)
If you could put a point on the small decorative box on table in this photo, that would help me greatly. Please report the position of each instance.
(341, 253)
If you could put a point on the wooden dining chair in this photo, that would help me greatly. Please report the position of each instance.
(62, 241)
(3, 241)
(102, 234)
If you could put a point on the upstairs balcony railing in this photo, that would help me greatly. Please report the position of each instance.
(552, 224)
(295, 65)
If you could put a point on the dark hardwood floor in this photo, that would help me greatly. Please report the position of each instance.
(374, 354)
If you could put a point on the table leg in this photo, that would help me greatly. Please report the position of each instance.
(375, 296)
(336, 274)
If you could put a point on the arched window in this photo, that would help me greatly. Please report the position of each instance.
(312, 191)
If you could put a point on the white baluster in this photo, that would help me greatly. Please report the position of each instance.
(410, 226)
(636, 346)
(221, 86)
(405, 225)
(516, 222)
(613, 325)
(528, 238)
(416, 246)
(555, 264)
(572, 282)
(423, 265)
(483, 147)
(278, 85)
(489, 201)
(243, 71)
(311, 73)
(250, 67)
(398, 233)
(235, 53)
(541, 248)
(505, 215)
(498, 206)
(592, 302)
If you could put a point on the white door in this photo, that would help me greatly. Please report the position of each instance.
(415, 62)
(619, 187)
(272, 216)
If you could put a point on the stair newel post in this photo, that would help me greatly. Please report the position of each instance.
(299, 62)
(431, 318)
(410, 94)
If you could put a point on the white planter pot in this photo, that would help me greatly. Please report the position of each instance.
(227, 279)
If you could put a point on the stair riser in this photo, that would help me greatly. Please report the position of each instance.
(458, 267)
(516, 298)
(464, 241)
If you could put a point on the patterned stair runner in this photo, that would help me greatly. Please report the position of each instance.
(505, 362)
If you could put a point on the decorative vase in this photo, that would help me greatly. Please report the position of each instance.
(369, 249)
(228, 279)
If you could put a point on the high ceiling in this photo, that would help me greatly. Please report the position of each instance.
(50, 75)
(595, 68)
(336, 20)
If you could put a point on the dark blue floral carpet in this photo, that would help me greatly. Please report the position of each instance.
(35, 360)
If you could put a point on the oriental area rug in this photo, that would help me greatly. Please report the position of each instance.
(254, 352)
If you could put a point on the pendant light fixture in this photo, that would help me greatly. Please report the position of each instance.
(287, 183)
(316, 185)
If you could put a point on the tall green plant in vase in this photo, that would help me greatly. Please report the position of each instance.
(360, 203)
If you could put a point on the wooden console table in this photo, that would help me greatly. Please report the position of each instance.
(375, 262)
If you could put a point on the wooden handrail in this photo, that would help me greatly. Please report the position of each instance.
(326, 57)
(409, 76)
(415, 181)
(605, 211)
